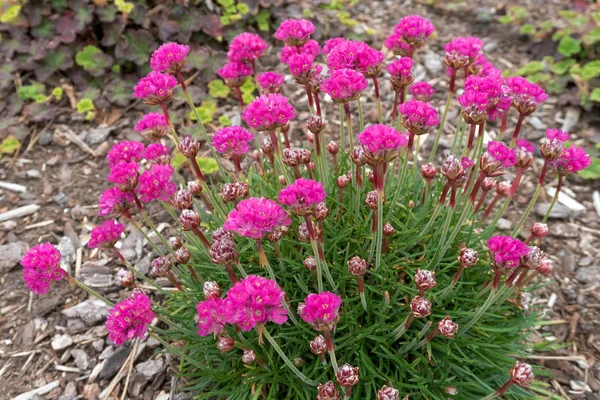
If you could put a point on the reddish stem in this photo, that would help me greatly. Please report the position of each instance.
(317, 103)
(174, 281)
(231, 273)
(274, 140)
(409, 147)
(202, 237)
(518, 127)
(458, 274)
(376, 85)
(504, 388)
(490, 206)
(432, 335)
(409, 321)
(504, 121)
(445, 192)
(328, 341)
(238, 93)
(453, 194)
(193, 272)
(361, 284)
(543, 173)
(513, 276)
(181, 81)
(452, 80)
(497, 276)
(469, 179)
(478, 183)
(196, 169)
(481, 200)
(167, 118)
(309, 96)
(516, 182)
(138, 203)
(471, 137)
(119, 254)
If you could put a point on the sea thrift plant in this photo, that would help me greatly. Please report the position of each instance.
(341, 257)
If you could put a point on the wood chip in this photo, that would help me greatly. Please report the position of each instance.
(19, 212)
(13, 187)
(39, 224)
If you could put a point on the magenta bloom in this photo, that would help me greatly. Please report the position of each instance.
(501, 153)
(330, 44)
(491, 86)
(355, 55)
(573, 159)
(378, 138)
(129, 318)
(270, 82)
(321, 310)
(482, 67)
(462, 51)
(397, 45)
(246, 47)
(344, 85)
(507, 251)
(526, 95)
(414, 30)
(310, 48)
(302, 196)
(151, 121)
(400, 71)
(41, 266)
(157, 183)
(294, 32)
(169, 57)
(125, 152)
(155, 88)
(235, 73)
(232, 140)
(466, 162)
(255, 301)
(418, 117)
(156, 152)
(421, 91)
(106, 235)
(211, 316)
(524, 144)
(475, 105)
(557, 134)
(124, 175)
(268, 112)
(114, 201)
(301, 67)
(254, 217)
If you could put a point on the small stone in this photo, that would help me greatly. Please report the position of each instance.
(558, 211)
(536, 123)
(89, 311)
(432, 62)
(33, 173)
(70, 389)
(8, 225)
(75, 325)
(45, 138)
(504, 224)
(588, 274)
(98, 345)
(81, 359)
(580, 386)
(67, 253)
(10, 255)
(60, 198)
(571, 118)
(162, 396)
(106, 352)
(97, 135)
(91, 391)
(137, 385)
(114, 362)
(150, 368)
(61, 342)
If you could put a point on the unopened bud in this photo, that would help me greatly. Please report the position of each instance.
(388, 229)
(468, 257)
(524, 158)
(552, 149)
(546, 267)
(211, 290)
(267, 146)
(182, 199)
(321, 211)
(161, 266)
(539, 230)
(175, 242)
(182, 255)
(312, 166)
(333, 148)
(446, 327)
(428, 171)
(411, 204)
(388, 393)
(357, 266)
(533, 259)
(310, 263)
(318, 345)
(328, 391)
(521, 374)
(225, 344)
(488, 184)
(316, 124)
(189, 146)
(420, 307)
(503, 188)
(358, 156)
(425, 279)
(343, 181)
(194, 187)
(125, 278)
(277, 233)
(282, 180)
(248, 357)
(371, 200)
(347, 376)
(189, 220)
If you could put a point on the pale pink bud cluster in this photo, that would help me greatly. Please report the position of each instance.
(421, 91)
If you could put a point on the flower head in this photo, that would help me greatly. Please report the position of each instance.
(357, 266)
(507, 251)
(557, 134)
(321, 310)
(573, 159)
(302, 196)
(425, 279)
(344, 85)
(294, 32)
(475, 105)
(420, 307)
(381, 143)
(270, 82)
(452, 168)
(358, 56)
(388, 393)
(152, 125)
(400, 71)
(301, 67)
(232, 141)
(539, 230)
(235, 73)
(223, 250)
(189, 146)
(255, 300)
(525, 145)
(254, 217)
(468, 257)
(129, 318)
(347, 376)
(526, 96)
(397, 45)
(125, 152)
(211, 316)
(446, 327)
(106, 235)
(310, 48)
(318, 345)
(418, 117)
(246, 47)
(124, 175)
(521, 374)
(268, 112)
(414, 30)
(155, 88)
(114, 201)
(330, 44)
(169, 57)
(328, 391)
(157, 183)
(421, 91)
(462, 51)
(41, 266)
(211, 290)
(504, 154)
(157, 152)
(482, 67)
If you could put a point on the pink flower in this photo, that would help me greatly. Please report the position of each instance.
(301, 67)
(422, 91)
(418, 117)
(381, 142)
(330, 44)
(344, 85)
(482, 67)
(235, 73)
(501, 153)
(232, 140)
(246, 47)
(302, 196)
(254, 217)
(41, 266)
(557, 134)
(125, 152)
(106, 235)
(507, 251)
(129, 318)
(475, 105)
(414, 30)
(169, 57)
(525, 145)
(491, 86)
(321, 310)
(294, 32)
(268, 112)
(156, 152)
(155, 88)
(466, 162)
(573, 159)
(397, 45)
(255, 301)
(270, 82)
(157, 183)
(211, 316)
(310, 48)
(355, 55)
(462, 51)
(400, 71)
(154, 122)
(114, 201)
(526, 95)
(124, 175)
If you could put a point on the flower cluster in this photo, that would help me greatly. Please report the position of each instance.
(414, 30)
(355, 55)
(125, 152)
(41, 266)
(114, 201)
(246, 48)
(232, 141)
(507, 251)
(302, 196)
(255, 217)
(235, 73)
(106, 235)
(422, 91)
(268, 112)
(294, 32)
(157, 183)
(344, 85)
(169, 57)
(270, 82)
(321, 310)
(129, 318)
(155, 88)
(381, 143)
(152, 125)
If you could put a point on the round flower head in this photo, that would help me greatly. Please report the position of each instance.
(446, 327)
(344, 85)
(169, 57)
(330, 44)
(328, 391)
(507, 251)
(418, 117)
(475, 105)
(157, 183)
(301, 67)
(400, 71)
(232, 140)
(270, 82)
(41, 266)
(246, 47)
(321, 310)
(114, 201)
(501, 153)
(526, 95)
(414, 30)
(425, 279)
(381, 143)
(125, 152)
(557, 134)
(539, 230)
(573, 159)
(491, 86)
(388, 393)
(155, 88)
(318, 345)
(157, 152)
(355, 55)
(310, 48)
(235, 73)
(521, 374)
(268, 112)
(254, 217)
(421, 91)
(124, 175)
(152, 125)
(462, 51)
(482, 67)
(452, 168)
(106, 235)
(255, 301)
(347, 376)
(211, 316)
(294, 32)
(420, 307)
(397, 45)
(552, 149)
(302, 196)
(468, 257)
(525, 145)
(129, 318)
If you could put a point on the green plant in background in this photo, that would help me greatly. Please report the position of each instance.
(232, 11)
(86, 106)
(218, 89)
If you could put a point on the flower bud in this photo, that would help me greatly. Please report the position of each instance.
(411, 204)
(388, 393)
(310, 137)
(343, 181)
(220, 233)
(225, 344)
(357, 266)
(358, 156)
(371, 200)
(228, 192)
(182, 199)
(539, 230)
(211, 290)
(428, 171)
(291, 157)
(388, 229)
(318, 345)
(316, 124)
(298, 362)
(161, 266)
(468, 257)
(503, 188)
(194, 187)
(446, 327)
(305, 156)
(125, 278)
(175, 242)
(182, 255)
(521, 374)
(524, 158)
(371, 177)
(420, 307)
(282, 180)
(533, 259)
(189, 146)
(425, 279)
(488, 184)
(489, 166)
(223, 251)
(248, 357)
(255, 155)
(333, 148)
(277, 233)
(267, 146)
(243, 189)
(312, 166)
(310, 263)
(452, 168)
(546, 267)
(328, 391)
(552, 149)
(321, 211)
(347, 376)
(189, 220)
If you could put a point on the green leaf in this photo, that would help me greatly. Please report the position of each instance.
(247, 97)
(546, 26)
(595, 96)
(560, 34)
(57, 92)
(136, 46)
(218, 89)
(84, 58)
(248, 86)
(590, 70)
(568, 14)
(9, 145)
(563, 66)
(592, 38)
(11, 14)
(505, 19)
(527, 29)
(518, 12)
(85, 106)
(531, 68)
(118, 92)
(592, 171)
(243, 8)
(568, 46)
(107, 13)
(207, 165)
(30, 92)
(44, 30)
(539, 78)
(262, 19)
(224, 120)
(40, 98)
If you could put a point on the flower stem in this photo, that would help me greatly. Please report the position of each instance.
(556, 193)
(342, 133)
(538, 190)
(331, 350)
(378, 100)
(90, 291)
(380, 195)
(500, 391)
(441, 128)
(286, 360)
(481, 310)
(517, 130)
(361, 124)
